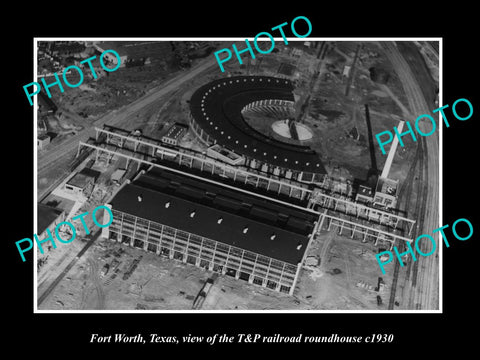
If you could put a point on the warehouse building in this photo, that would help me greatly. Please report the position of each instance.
(48, 218)
(213, 227)
(82, 182)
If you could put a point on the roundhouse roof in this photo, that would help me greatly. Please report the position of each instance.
(217, 106)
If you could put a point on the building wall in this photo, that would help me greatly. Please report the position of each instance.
(266, 103)
(73, 189)
(385, 200)
(202, 252)
(53, 225)
(41, 143)
(363, 198)
(263, 166)
(170, 141)
(240, 160)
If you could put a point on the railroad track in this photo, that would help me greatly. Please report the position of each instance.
(421, 295)
(425, 293)
(55, 282)
(405, 193)
(420, 215)
(418, 159)
(126, 113)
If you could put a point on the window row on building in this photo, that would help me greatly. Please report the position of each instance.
(202, 252)
(256, 164)
(268, 103)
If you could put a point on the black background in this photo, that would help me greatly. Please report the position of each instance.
(66, 334)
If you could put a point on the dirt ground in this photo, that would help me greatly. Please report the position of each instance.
(348, 272)
(331, 115)
(159, 283)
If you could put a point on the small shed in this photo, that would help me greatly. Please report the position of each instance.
(42, 141)
(118, 176)
(174, 134)
(82, 180)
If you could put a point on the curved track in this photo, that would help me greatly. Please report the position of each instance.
(405, 195)
(425, 290)
(216, 109)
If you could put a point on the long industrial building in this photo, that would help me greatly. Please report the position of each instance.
(213, 227)
(216, 118)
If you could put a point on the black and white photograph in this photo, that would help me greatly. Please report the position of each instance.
(199, 180)
(256, 183)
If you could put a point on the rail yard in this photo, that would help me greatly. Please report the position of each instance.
(256, 188)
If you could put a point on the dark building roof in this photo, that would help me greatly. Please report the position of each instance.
(211, 202)
(83, 177)
(223, 101)
(46, 216)
(365, 190)
(46, 103)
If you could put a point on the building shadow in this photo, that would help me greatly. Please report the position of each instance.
(372, 174)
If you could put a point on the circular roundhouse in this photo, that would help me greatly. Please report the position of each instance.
(216, 118)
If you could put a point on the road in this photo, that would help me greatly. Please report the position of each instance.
(70, 145)
(426, 289)
(46, 293)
